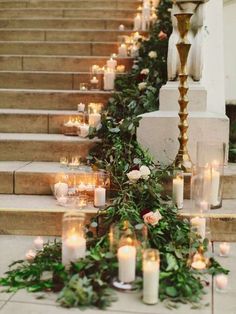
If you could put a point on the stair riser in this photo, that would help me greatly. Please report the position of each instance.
(44, 35)
(65, 64)
(70, 49)
(65, 23)
(6, 183)
(46, 81)
(32, 123)
(71, 4)
(41, 150)
(49, 100)
(60, 13)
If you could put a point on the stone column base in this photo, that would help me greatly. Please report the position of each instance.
(158, 132)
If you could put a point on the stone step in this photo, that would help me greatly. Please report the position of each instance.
(67, 13)
(34, 121)
(53, 63)
(46, 80)
(41, 147)
(28, 215)
(119, 4)
(66, 23)
(62, 35)
(58, 48)
(49, 99)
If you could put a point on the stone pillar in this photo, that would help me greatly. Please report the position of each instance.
(158, 131)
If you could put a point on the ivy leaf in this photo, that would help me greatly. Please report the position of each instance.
(171, 291)
(172, 262)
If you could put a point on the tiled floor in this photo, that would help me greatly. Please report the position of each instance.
(15, 247)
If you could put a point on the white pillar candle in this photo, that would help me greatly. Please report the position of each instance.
(30, 256)
(121, 27)
(178, 191)
(81, 107)
(122, 51)
(84, 130)
(111, 63)
(73, 248)
(204, 206)
(81, 187)
(137, 22)
(94, 119)
(224, 249)
(61, 189)
(221, 281)
(99, 197)
(109, 79)
(134, 51)
(127, 263)
(215, 184)
(200, 224)
(150, 281)
(38, 243)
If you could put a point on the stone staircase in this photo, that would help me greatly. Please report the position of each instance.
(46, 50)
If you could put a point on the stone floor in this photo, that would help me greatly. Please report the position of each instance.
(15, 247)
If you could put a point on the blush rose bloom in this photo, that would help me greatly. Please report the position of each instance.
(152, 54)
(145, 172)
(145, 71)
(152, 218)
(142, 86)
(134, 176)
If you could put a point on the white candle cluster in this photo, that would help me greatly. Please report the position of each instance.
(148, 15)
(73, 248)
(127, 263)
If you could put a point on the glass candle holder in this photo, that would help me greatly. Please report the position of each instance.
(126, 255)
(151, 270)
(178, 189)
(83, 86)
(95, 107)
(73, 237)
(75, 162)
(64, 161)
(94, 83)
(109, 78)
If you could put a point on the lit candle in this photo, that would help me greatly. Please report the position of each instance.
(178, 191)
(224, 249)
(81, 107)
(121, 27)
(150, 281)
(122, 51)
(30, 256)
(109, 79)
(94, 119)
(127, 263)
(134, 51)
(99, 197)
(204, 206)
(200, 224)
(83, 86)
(111, 63)
(198, 265)
(137, 22)
(215, 184)
(94, 80)
(221, 281)
(69, 124)
(81, 187)
(95, 69)
(38, 243)
(84, 130)
(73, 248)
(61, 189)
(120, 68)
(89, 187)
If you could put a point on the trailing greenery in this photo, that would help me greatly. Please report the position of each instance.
(86, 283)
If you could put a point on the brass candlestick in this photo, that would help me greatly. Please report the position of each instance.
(182, 159)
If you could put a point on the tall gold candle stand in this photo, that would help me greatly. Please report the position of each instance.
(183, 160)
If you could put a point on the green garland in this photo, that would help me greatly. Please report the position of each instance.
(87, 282)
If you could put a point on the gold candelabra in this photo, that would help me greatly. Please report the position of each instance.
(183, 160)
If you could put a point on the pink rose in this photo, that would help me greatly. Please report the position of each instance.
(162, 35)
(152, 218)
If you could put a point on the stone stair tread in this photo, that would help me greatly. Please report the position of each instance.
(34, 203)
(62, 56)
(56, 42)
(228, 210)
(54, 91)
(11, 166)
(37, 112)
(87, 19)
(38, 137)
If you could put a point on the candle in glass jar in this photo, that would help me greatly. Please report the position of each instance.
(127, 263)
(94, 119)
(224, 249)
(122, 51)
(81, 107)
(111, 63)
(120, 68)
(121, 27)
(150, 281)
(84, 130)
(200, 224)
(38, 243)
(73, 248)
(215, 184)
(221, 281)
(137, 22)
(81, 187)
(61, 189)
(178, 191)
(198, 265)
(109, 79)
(99, 197)
(134, 52)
